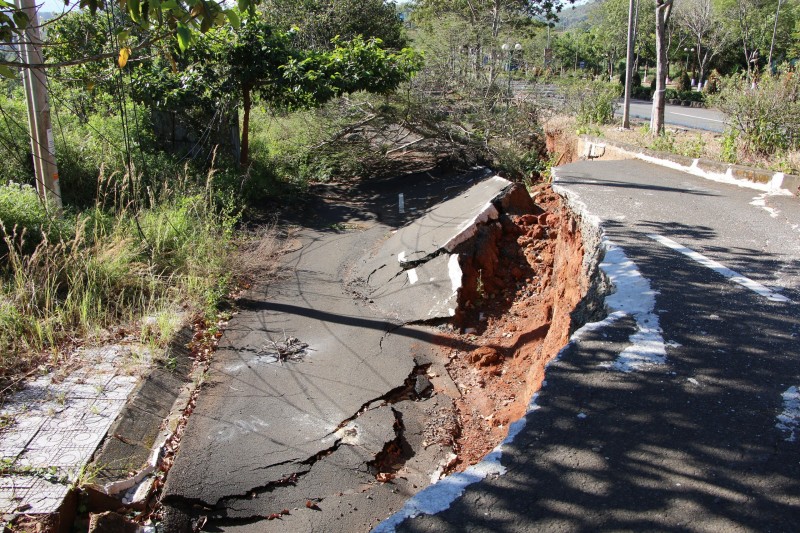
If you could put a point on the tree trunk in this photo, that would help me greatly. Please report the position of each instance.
(495, 33)
(663, 8)
(626, 109)
(246, 105)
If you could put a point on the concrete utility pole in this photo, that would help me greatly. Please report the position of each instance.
(626, 111)
(774, 32)
(41, 132)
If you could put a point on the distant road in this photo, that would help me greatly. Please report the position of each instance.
(675, 115)
(689, 117)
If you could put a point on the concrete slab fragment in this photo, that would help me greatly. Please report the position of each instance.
(413, 275)
(426, 292)
(55, 427)
(371, 430)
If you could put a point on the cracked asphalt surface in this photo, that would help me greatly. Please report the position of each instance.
(295, 411)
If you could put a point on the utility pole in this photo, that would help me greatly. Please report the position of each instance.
(41, 131)
(774, 32)
(626, 111)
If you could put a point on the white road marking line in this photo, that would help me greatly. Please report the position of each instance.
(722, 269)
(412, 276)
(401, 203)
(695, 116)
(789, 419)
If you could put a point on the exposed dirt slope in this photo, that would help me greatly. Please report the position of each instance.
(527, 280)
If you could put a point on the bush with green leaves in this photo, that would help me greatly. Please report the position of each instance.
(642, 93)
(591, 102)
(684, 83)
(753, 111)
(713, 83)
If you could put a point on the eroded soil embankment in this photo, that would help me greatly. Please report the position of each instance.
(522, 284)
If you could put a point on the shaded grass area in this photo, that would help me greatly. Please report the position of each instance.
(90, 274)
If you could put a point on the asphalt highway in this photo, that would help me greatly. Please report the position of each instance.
(697, 118)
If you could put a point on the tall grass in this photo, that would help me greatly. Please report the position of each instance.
(109, 266)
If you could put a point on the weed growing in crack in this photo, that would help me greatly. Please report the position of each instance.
(480, 290)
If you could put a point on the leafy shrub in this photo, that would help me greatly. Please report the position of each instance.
(642, 93)
(664, 143)
(713, 83)
(691, 96)
(728, 152)
(753, 112)
(591, 102)
(684, 83)
(693, 148)
(636, 79)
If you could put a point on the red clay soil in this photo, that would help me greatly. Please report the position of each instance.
(527, 279)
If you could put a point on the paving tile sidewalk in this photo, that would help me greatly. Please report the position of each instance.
(52, 428)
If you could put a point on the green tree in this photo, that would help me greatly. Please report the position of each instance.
(238, 66)
(663, 10)
(486, 24)
(702, 21)
(318, 22)
(137, 25)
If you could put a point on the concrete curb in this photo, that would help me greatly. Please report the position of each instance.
(133, 444)
(590, 147)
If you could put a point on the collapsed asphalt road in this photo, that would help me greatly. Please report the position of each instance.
(680, 410)
(329, 402)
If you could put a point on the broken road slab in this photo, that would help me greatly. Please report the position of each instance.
(262, 420)
(415, 275)
(701, 437)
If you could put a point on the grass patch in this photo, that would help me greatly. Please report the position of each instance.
(105, 267)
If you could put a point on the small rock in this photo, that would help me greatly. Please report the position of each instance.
(422, 385)
(111, 522)
(485, 356)
(536, 232)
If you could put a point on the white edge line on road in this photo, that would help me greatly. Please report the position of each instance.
(633, 296)
(695, 116)
(719, 268)
(438, 497)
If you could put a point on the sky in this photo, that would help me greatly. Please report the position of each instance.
(54, 6)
